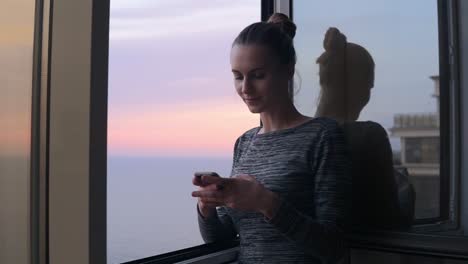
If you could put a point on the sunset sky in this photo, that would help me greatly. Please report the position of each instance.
(170, 83)
(16, 53)
(170, 86)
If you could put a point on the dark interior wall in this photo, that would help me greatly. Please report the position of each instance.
(463, 38)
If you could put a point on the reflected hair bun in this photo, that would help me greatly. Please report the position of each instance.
(284, 23)
(334, 40)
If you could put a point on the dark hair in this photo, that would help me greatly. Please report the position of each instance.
(277, 34)
(352, 54)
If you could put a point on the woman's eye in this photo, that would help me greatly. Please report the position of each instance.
(238, 77)
(259, 76)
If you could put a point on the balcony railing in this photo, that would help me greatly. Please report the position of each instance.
(422, 120)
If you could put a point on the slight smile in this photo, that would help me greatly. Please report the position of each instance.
(251, 100)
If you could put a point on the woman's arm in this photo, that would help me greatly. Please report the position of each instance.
(218, 227)
(322, 235)
(385, 190)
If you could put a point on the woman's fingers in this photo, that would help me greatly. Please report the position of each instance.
(206, 179)
(211, 187)
(197, 181)
(205, 182)
(207, 194)
(209, 200)
(213, 180)
(246, 177)
(212, 204)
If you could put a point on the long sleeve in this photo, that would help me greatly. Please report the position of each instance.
(375, 194)
(219, 227)
(322, 235)
(385, 204)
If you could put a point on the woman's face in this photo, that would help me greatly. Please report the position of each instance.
(260, 80)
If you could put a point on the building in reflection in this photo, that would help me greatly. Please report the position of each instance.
(420, 148)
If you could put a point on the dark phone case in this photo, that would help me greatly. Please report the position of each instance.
(210, 173)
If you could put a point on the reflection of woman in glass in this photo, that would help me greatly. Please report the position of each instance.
(346, 77)
(288, 193)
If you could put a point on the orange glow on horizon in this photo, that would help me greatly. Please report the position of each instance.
(198, 128)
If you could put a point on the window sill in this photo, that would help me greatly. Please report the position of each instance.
(434, 245)
(207, 253)
(224, 256)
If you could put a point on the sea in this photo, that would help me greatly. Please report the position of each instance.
(150, 210)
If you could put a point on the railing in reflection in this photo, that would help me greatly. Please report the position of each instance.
(418, 120)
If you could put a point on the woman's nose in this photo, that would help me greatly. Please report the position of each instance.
(246, 86)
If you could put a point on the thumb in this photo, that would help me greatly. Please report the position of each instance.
(206, 179)
(246, 177)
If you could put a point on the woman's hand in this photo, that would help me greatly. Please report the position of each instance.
(242, 192)
(206, 207)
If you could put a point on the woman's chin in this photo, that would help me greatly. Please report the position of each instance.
(254, 109)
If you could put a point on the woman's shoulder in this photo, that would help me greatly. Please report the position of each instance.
(320, 124)
(365, 129)
(365, 134)
(319, 131)
(325, 122)
(247, 136)
(371, 125)
(314, 127)
(249, 133)
(323, 126)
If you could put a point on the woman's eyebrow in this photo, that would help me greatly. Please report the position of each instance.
(252, 70)
(257, 69)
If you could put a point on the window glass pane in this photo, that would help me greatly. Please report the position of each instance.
(402, 38)
(16, 53)
(173, 110)
(422, 150)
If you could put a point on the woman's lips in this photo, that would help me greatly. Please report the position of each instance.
(251, 100)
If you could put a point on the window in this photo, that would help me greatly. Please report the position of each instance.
(71, 182)
(422, 150)
(16, 51)
(173, 110)
(403, 39)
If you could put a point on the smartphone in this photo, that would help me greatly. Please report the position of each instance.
(209, 173)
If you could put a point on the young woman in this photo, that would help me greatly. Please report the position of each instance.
(288, 193)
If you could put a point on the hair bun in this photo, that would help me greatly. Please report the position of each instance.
(284, 23)
(334, 40)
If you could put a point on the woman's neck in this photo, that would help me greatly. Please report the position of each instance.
(281, 117)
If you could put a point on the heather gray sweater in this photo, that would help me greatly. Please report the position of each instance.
(306, 166)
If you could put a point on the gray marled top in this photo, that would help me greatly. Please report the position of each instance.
(307, 167)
